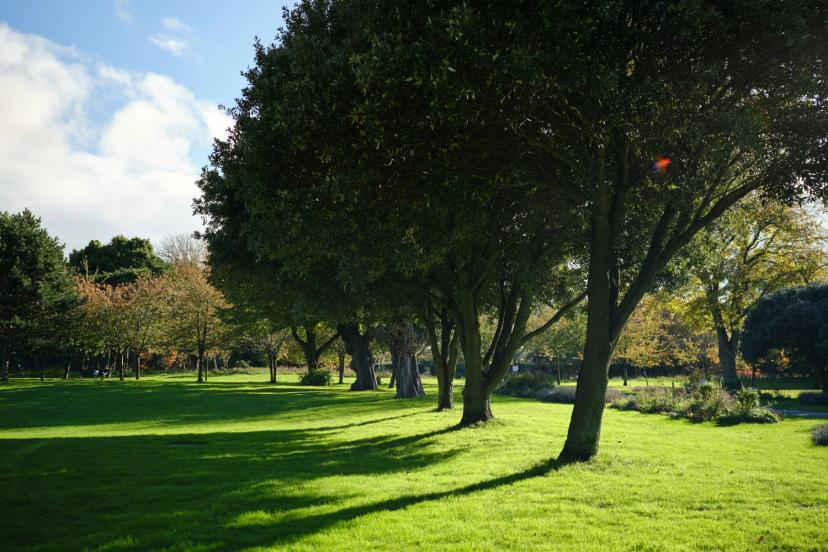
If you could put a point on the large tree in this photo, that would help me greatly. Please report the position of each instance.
(35, 287)
(755, 249)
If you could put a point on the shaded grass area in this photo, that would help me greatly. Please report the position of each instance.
(236, 464)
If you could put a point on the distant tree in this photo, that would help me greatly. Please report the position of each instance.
(145, 303)
(269, 339)
(35, 287)
(102, 320)
(196, 325)
(119, 261)
(183, 249)
(755, 249)
(794, 320)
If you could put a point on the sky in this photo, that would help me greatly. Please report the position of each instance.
(108, 108)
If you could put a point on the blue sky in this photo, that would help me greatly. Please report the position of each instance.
(110, 107)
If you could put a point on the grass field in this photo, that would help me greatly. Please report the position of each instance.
(239, 464)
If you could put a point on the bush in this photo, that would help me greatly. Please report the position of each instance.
(747, 399)
(820, 435)
(316, 377)
(758, 415)
(810, 397)
(708, 403)
(525, 384)
(565, 395)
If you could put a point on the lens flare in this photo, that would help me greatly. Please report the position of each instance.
(660, 164)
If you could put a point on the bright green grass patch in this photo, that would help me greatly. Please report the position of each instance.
(234, 464)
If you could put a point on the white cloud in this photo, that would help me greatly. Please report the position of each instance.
(176, 46)
(131, 173)
(175, 25)
(121, 8)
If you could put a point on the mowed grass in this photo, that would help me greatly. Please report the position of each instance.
(237, 463)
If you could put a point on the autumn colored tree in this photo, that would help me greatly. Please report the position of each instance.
(756, 249)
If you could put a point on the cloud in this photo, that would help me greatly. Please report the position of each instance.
(88, 175)
(176, 46)
(175, 25)
(121, 8)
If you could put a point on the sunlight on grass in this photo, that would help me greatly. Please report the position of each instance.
(285, 467)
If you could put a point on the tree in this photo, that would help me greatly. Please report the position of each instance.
(358, 228)
(119, 261)
(35, 287)
(183, 249)
(196, 325)
(757, 248)
(270, 339)
(144, 305)
(794, 320)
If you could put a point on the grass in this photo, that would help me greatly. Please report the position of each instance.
(239, 464)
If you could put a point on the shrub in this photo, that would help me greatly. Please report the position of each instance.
(316, 377)
(708, 403)
(658, 400)
(820, 435)
(747, 399)
(565, 395)
(810, 397)
(525, 384)
(758, 415)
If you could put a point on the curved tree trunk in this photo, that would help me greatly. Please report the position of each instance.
(404, 362)
(359, 347)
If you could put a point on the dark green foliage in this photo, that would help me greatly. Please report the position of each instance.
(795, 320)
(528, 383)
(35, 288)
(811, 398)
(117, 262)
(820, 435)
(319, 377)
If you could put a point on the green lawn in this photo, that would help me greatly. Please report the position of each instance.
(238, 464)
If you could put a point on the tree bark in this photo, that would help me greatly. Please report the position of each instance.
(404, 362)
(137, 366)
(68, 367)
(585, 424)
(4, 363)
(341, 355)
(625, 372)
(200, 367)
(120, 360)
(444, 356)
(359, 347)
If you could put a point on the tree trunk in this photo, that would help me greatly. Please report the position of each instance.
(625, 373)
(727, 359)
(4, 363)
(42, 366)
(199, 365)
(68, 368)
(404, 362)
(359, 347)
(585, 424)
(137, 366)
(120, 360)
(341, 354)
(558, 365)
(825, 379)
(444, 356)
(272, 364)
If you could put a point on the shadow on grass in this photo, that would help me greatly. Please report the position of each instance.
(294, 529)
(153, 402)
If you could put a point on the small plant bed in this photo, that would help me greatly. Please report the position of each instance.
(699, 402)
(540, 385)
